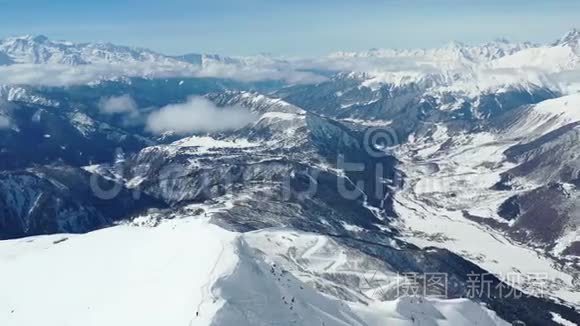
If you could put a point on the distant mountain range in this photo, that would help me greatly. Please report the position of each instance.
(451, 65)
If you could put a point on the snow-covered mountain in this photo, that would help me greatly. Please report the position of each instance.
(562, 55)
(320, 210)
(469, 69)
(41, 50)
(230, 281)
(37, 60)
(451, 56)
(456, 67)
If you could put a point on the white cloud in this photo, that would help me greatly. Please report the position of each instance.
(65, 75)
(198, 115)
(391, 69)
(259, 72)
(118, 104)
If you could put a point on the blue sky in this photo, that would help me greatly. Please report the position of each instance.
(291, 27)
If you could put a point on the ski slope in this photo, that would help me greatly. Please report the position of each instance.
(123, 275)
(190, 272)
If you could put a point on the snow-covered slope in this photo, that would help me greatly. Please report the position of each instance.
(22, 94)
(562, 55)
(501, 195)
(184, 272)
(117, 276)
(544, 117)
(448, 201)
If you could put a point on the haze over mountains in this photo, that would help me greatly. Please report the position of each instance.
(137, 187)
(492, 64)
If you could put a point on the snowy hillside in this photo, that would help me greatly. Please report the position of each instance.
(500, 195)
(184, 272)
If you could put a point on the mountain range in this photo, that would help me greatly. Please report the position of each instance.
(137, 187)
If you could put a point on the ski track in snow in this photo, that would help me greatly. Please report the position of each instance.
(123, 275)
(205, 290)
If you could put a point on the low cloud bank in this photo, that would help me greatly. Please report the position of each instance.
(255, 73)
(65, 75)
(58, 75)
(198, 114)
(378, 71)
(118, 104)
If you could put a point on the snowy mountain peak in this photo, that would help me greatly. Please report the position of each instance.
(451, 54)
(572, 38)
(39, 49)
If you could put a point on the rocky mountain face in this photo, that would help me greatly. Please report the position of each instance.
(60, 199)
(37, 134)
(331, 181)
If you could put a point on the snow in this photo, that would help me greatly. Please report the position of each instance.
(546, 58)
(206, 143)
(260, 103)
(135, 182)
(83, 123)
(561, 321)
(165, 273)
(34, 60)
(409, 311)
(469, 69)
(258, 293)
(187, 271)
(369, 123)
(441, 185)
(41, 50)
(484, 246)
(20, 94)
(565, 241)
(453, 55)
(122, 275)
(546, 116)
(566, 107)
(313, 258)
(92, 168)
(280, 116)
